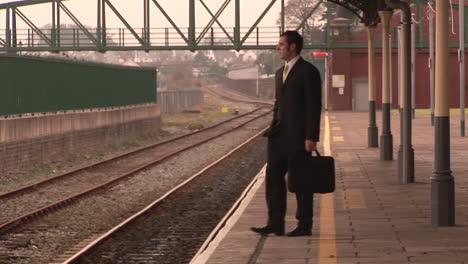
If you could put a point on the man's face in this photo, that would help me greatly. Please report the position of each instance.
(286, 51)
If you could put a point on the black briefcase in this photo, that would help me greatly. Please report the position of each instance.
(307, 173)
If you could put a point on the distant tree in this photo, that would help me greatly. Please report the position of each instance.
(179, 80)
(215, 69)
(224, 56)
(201, 59)
(267, 62)
(298, 10)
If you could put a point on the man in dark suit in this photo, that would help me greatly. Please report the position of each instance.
(295, 128)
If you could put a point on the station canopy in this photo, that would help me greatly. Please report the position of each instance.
(366, 10)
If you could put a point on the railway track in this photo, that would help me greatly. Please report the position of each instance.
(24, 204)
(232, 96)
(60, 221)
(172, 228)
(42, 239)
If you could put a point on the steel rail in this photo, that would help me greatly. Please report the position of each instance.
(76, 258)
(60, 204)
(223, 223)
(68, 173)
(237, 100)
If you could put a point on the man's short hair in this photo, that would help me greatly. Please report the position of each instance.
(293, 36)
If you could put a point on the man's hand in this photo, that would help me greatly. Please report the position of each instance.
(310, 145)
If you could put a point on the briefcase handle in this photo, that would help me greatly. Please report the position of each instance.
(316, 152)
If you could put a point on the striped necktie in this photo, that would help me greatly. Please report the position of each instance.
(285, 72)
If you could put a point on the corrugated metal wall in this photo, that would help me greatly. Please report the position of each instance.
(32, 85)
(172, 101)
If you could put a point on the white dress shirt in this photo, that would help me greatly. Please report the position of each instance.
(291, 63)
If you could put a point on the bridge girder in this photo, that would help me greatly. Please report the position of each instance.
(99, 37)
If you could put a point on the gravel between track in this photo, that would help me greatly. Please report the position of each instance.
(173, 231)
(65, 187)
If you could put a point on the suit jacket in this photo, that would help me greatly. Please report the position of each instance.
(298, 105)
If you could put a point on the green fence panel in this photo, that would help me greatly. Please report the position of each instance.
(32, 85)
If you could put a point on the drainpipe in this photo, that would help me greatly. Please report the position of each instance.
(431, 60)
(408, 153)
(461, 59)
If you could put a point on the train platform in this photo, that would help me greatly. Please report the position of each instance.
(371, 218)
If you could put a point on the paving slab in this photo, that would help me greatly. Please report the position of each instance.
(371, 218)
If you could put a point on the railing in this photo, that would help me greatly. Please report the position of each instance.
(214, 36)
(67, 39)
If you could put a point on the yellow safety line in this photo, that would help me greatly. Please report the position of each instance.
(327, 240)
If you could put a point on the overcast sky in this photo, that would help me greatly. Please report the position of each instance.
(132, 11)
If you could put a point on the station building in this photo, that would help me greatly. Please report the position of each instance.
(348, 73)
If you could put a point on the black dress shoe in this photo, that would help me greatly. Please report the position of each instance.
(300, 231)
(277, 230)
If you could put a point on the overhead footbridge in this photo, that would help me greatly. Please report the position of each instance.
(102, 25)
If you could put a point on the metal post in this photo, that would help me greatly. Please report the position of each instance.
(237, 28)
(327, 35)
(461, 59)
(372, 131)
(258, 36)
(325, 84)
(442, 182)
(103, 24)
(212, 37)
(282, 16)
(401, 95)
(147, 24)
(390, 71)
(192, 40)
(58, 23)
(144, 21)
(98, 24)
(257, 84)
(413, 63)
(53, 33)
(400, 87)
(431, 58)
(7, 29)
(13, 27)
(408, 153)
(386, 139)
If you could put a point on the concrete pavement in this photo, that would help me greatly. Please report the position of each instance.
(371, 218)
